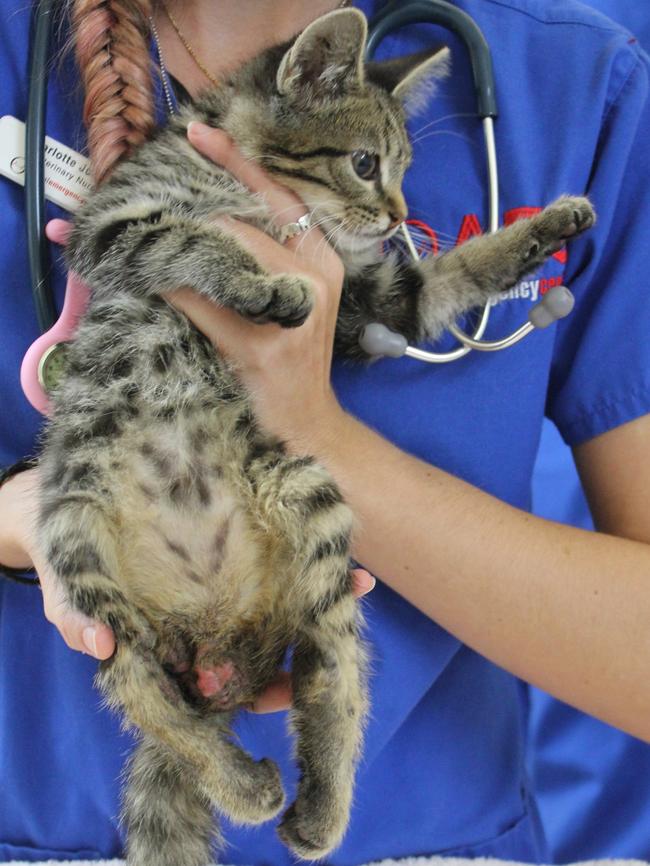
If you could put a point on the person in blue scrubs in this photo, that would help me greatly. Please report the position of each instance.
(473, 593)
(590, 779)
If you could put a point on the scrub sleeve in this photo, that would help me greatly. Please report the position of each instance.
(443, 769)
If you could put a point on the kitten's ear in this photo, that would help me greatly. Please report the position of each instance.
(412, 78)
(327, 58)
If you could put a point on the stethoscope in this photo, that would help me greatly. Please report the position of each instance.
(376, 339)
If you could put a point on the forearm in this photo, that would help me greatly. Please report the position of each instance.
(564, 609)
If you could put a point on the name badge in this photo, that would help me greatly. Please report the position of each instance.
(68, 179)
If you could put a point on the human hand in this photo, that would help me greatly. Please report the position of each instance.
(286, 371)
(18, 509)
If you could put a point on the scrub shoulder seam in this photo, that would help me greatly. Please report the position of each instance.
(610, 411)
(545, 18)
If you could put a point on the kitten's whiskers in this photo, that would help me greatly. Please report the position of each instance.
(417, 132)
(446, 132)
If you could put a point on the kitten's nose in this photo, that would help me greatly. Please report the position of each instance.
(397, 211)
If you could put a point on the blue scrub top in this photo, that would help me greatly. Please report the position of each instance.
(443, 769)
(590, 779)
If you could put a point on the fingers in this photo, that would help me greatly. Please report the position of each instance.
(283, 204)
(77, 630)
(275, 697)
(272, 256)
(220, 148)
(226, 330)
(364, 582)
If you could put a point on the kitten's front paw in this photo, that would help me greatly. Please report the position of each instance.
(286, 300)
(566, 218)
(315, 824)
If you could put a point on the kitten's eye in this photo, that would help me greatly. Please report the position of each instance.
(365, 164)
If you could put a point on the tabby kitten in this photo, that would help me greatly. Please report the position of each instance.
(167, 513)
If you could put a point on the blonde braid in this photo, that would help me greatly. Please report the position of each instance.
(112, 47)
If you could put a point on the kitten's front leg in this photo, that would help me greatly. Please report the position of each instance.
(421, 299)
(156, 255)
(494, 262)
(469, 275)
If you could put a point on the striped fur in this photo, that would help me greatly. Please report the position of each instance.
(166, 512)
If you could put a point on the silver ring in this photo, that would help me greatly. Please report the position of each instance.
(291, 230)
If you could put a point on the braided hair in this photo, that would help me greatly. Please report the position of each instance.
(112, 47)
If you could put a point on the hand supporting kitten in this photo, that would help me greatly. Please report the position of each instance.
(285, 404)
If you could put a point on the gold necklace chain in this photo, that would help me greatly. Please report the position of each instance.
(211, 78)
(187, 46)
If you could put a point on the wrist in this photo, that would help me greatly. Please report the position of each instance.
(318, 433)
(323, 435)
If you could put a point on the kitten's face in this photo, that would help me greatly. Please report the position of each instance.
(334, 128)
(346, 160)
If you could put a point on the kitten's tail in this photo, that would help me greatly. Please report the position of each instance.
(164, 811)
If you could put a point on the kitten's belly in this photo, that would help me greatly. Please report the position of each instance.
(186, 543)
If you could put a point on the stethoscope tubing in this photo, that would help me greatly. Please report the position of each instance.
(35, 165)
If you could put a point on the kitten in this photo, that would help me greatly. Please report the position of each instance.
(167, 513)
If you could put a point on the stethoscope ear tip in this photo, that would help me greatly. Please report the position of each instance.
(377, 340)
(556, 304)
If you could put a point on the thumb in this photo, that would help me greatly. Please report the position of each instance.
(58, 231)
(225, 328)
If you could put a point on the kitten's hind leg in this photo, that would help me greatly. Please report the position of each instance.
(79, 541)
(299, 497)
(168, 819)
(328, 708)
(245, 790)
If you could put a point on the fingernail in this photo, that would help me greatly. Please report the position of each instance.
(196, 128)
(373, 584)
(90, 640)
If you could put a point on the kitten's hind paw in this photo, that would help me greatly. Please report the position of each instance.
(312, 834)
(254, 794)
(284, 299)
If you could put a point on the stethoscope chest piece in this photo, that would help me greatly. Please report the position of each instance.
(51, 367)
